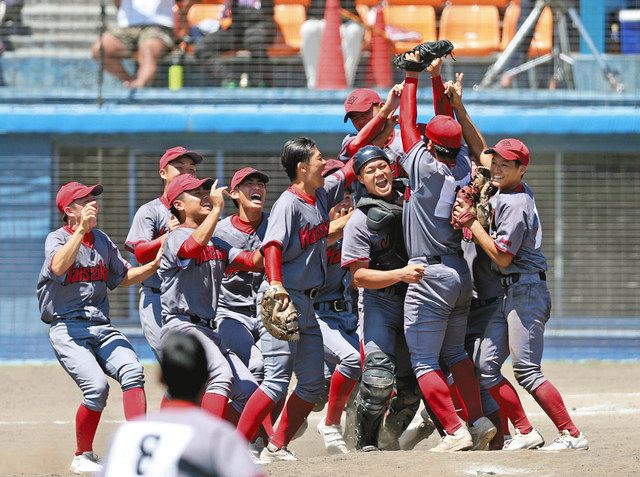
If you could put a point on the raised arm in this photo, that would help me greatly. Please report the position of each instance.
(441, 104)
(472, 136)
(199, 239)
(66, 256)
(408, 108)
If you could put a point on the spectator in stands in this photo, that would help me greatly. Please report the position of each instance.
(145, 26)
(243, 24)
(351, 33)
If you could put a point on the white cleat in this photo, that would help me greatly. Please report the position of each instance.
(532, 440)
(272, 454)
(482, 431)
(332, 436)
(458, 441)
(255, 448)
(85, 463)
(566, 442)
(417, 432)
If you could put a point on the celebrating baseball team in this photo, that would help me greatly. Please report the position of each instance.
(404, 272)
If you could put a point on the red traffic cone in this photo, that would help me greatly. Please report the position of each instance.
(331, 63)
(380, 63)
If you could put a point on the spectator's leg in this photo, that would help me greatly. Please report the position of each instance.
(211, 46)
(114, 51)
(148, 54)
(351, 35)
(257, 39)
(310, 36)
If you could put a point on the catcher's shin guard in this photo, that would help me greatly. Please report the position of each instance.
(402, 409)
(375, 390)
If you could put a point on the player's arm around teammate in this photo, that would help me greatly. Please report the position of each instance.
(192, 267)
(150, 225)
(377, 260)
(81, 264)
(515, 247)
(295, 251)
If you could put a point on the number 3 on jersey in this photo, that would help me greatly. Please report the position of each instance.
(148, 449)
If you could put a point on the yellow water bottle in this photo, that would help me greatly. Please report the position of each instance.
(176, 76)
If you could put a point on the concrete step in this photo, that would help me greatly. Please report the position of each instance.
(74, 41)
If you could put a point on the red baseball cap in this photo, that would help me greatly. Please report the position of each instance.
(444, 131)
(331, 165)
(511, 149)
(183, 183)
(74, 191)
(244, 173)
(360, 101)
(176, 152)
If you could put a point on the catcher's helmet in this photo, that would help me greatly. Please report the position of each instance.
(367, 154)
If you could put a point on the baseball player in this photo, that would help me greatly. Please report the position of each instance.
(81, 263)
(514, 245)
(150, 224)
(436, 306)
(238, 325)
(192, 267)
(295, 254)
(338, 325)
(180, 440)
(373, 250)
(375, 120)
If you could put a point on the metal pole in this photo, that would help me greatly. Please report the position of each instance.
(103, 28)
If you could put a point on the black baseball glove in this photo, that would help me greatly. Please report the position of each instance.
(428, 51)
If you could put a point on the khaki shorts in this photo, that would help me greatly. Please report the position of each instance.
(132, 36)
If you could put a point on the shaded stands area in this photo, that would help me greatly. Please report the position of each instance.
(57, 36)
(585, 172)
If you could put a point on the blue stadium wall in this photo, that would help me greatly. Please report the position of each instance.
(30, 135)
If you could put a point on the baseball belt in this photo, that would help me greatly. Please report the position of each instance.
(334, 305)
(508, 280)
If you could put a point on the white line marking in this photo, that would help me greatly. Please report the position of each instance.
(55, 423)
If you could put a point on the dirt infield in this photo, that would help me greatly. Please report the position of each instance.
(38, 405)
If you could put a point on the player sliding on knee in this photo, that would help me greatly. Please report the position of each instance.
(81, 263)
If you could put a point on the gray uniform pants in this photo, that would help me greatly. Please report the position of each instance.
(480, 314)
(341, 342)
(518, 330)
(150, 312)
(436, 310)
(304, 357)
(240, 333)
(87, 351)
(228, 376)
(382, 328)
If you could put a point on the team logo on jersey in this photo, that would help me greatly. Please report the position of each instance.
(95, 273)
(397, 169)
(334, 254)
(310, 236)
(407, 194)
(209, 253)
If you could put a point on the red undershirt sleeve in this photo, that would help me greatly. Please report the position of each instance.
(190, 248)
(366, 134)
(349, 173)
(244, 262)
(409, 114)
(145, 252)
(441, 104)
(273, 262)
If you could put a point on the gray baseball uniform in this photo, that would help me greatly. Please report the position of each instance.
(338, 323)
(485, 305)
(436, 308)
(238, 325)
(300, 225)
(181, 441)
(77, 307)
(519, 329)
(149, 223)
(190, 290)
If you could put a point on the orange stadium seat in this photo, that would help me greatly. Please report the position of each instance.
(200, 12)
(420, 19)
(289, 15)
(474, 30)
(542, 42)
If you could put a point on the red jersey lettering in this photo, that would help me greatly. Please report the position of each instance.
(210, 253)
(95, 273)
(310, 236)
